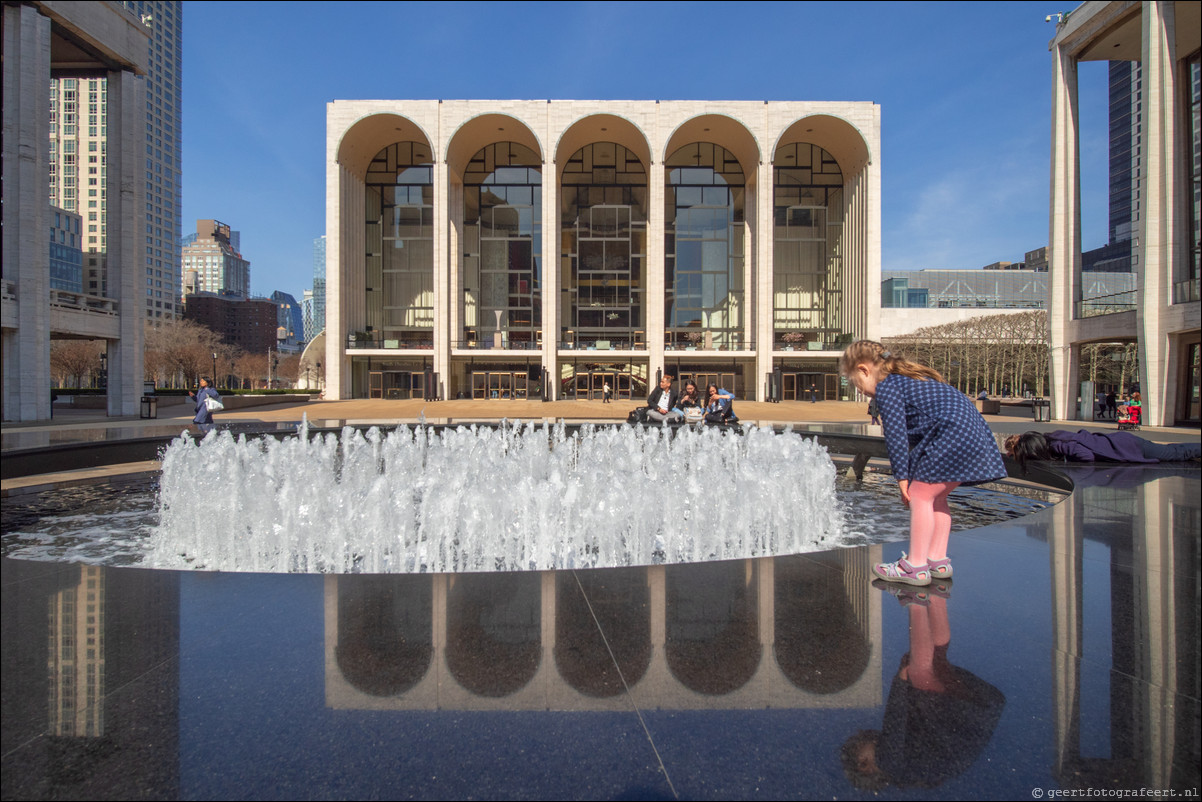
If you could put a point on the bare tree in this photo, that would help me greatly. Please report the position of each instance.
(179, 352)
(288, 370)
(990, 352)
(74, 360)
(251, 370)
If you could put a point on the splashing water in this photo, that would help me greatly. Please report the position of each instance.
(491, 499)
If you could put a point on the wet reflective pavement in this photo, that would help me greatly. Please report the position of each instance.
(1065, 655)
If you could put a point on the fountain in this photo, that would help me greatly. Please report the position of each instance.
(491, 499)
(505, 497)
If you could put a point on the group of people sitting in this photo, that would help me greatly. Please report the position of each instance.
(667, 405)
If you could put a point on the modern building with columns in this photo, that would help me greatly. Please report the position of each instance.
(43, 39)
(1163, 315)
(527, 249)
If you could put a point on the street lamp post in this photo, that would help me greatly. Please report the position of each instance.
(214, 368)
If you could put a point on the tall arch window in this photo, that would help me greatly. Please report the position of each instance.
(399, 214)
(704, 232)
(502, 244)
(807, 261)
(603, 256)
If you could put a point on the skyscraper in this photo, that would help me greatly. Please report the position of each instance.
(319, 287)
(289, 317)
(78, 158)
(212, 263)
(1124, 149)
(307, 316)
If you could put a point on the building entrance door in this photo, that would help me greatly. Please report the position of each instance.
(598, 382)
(500, 385)
(396, 384)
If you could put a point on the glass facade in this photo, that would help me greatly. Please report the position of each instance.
(66, 254)
(524, 250)
(704, 235)
(502, 247)
(603, 257)
(807, 299)
(399, 236)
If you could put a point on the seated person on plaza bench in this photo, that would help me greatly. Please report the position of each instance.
(690, 403)
(662, 400)
(719, 407)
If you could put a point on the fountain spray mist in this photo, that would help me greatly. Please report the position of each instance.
(500, 498)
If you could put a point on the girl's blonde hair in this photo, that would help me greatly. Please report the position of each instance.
(869, 352)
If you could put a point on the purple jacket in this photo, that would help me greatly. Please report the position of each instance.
(1085, 446)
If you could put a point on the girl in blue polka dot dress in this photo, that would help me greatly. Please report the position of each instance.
(936, 440)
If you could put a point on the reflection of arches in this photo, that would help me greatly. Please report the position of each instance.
(712, 642)
(494, 631)
(621, 601)
(385, 639)
(820, 646)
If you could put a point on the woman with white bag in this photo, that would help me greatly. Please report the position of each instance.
(207, 402)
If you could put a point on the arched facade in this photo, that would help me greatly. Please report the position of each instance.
(530, 249)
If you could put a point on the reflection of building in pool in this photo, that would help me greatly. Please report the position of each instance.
(88, 633)
(1148, 519)
(545, 249)
(785, 632)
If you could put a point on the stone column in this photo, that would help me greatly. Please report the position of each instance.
(335, 346)
(26, 110)
(453, 323)
(125, 230)
(550, 278)
(1157, 229)
(1064, 237)
(442, 268)
(764, 278)
(346, 296)
(869, 188)
(655, 289)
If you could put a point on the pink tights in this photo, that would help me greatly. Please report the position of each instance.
(930, 521)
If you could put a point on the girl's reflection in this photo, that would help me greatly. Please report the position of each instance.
(938, 717)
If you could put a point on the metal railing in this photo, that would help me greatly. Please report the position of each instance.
(362, 341)
(487, 344)
(601, 344)
(829, 343)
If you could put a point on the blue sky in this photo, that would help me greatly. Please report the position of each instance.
(964, 89)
